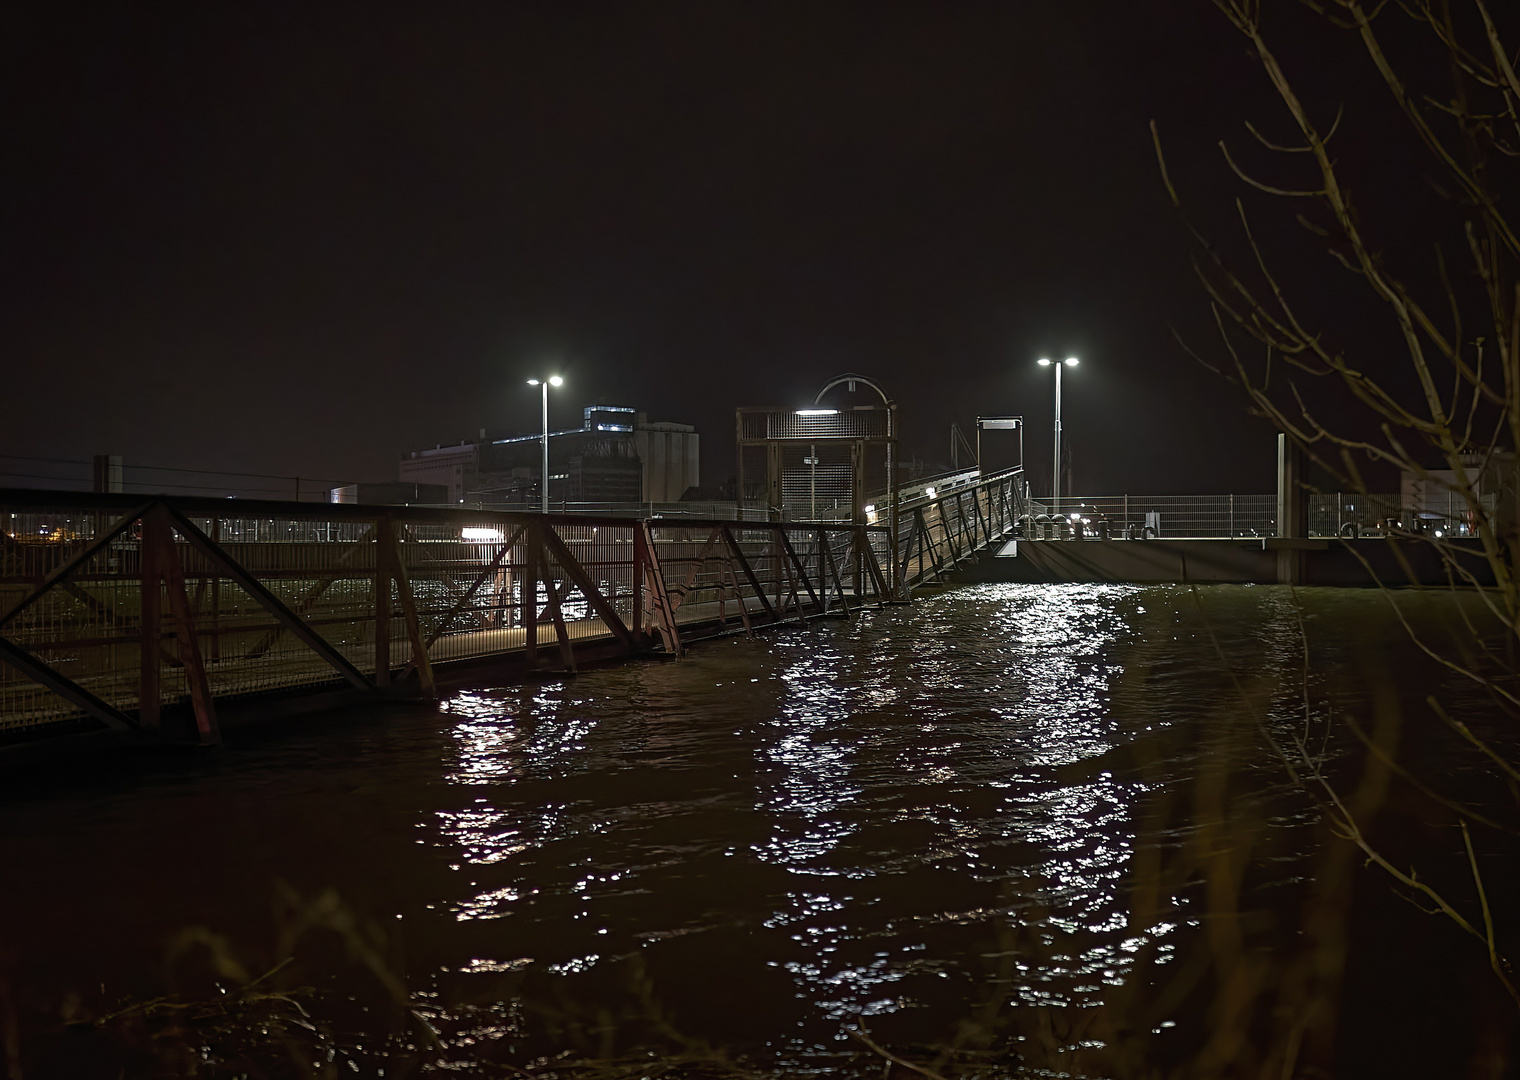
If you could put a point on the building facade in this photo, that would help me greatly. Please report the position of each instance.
(615, 456)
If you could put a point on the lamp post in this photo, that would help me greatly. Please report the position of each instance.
(811, 461)
(543, 486)
(1055, 478)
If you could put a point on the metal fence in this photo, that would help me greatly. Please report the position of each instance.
(1443, 515)
(111, 613)
(1249, 516)
(959, 521)
(709, 511)
(115, 612)
(1155, 516)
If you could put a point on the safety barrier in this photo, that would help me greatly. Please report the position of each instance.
(115, 610)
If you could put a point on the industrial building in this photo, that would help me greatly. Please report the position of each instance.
(615, 456)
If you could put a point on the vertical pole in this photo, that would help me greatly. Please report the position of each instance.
(544, 485)
(150, 641)
(382, 603)
(738, 468)
(857, 509)
(773, 493)
(813, 482)
(533, 554)
(216, 597)
(893, 504)
(640, 585)
(1292, 504)
(403, 578)
(1055, 480)
(187, 641)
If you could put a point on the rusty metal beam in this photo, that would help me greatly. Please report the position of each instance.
(269, 602)
(868, 556)
(265, 643)
(829, 566)
(157, 534)
(656, 601)
(685, 587)
(150, 627)
(733, 545)
(733, 584)
(594, 597)
(396, 566)
(532, 557)
(786, 542)
(64, 687)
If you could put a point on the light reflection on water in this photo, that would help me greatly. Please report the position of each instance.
(895, 769)
(893, 816)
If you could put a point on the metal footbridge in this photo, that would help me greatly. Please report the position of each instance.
(159, 616)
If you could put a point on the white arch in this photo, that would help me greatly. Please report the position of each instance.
(852, 379)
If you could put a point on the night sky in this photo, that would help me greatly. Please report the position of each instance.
(306, 239)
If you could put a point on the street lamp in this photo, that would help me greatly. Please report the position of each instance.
(555, 380)
(1055, 481)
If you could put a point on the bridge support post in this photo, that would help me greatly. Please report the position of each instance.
(163, 574)
(383, 609)
(653, 605)
(1292, 508)
(392, 564)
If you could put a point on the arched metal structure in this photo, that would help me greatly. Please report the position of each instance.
(788, 446)
(851, 378)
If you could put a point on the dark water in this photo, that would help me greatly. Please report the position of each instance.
(923, 814)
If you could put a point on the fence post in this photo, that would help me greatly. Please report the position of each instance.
(383, 609)
(532, 556)
(150, 639)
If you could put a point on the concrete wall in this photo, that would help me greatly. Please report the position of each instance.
(1325, 562)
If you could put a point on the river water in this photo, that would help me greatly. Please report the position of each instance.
(979, 805)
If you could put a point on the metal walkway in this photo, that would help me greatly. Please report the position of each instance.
(946, 521)
(147, 616)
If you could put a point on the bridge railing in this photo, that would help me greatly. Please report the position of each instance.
(1445, 513)
(1193, 516)
(937, 533)
(1250, 516)
(115, 610)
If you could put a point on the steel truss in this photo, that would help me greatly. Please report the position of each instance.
(145, 617)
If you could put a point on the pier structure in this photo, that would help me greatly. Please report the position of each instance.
(155, 617)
